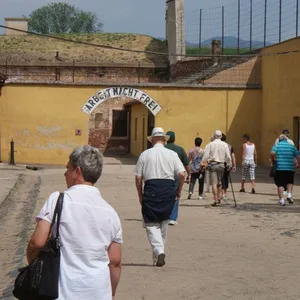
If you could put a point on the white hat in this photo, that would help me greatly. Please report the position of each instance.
(158, 132)
(218, 134)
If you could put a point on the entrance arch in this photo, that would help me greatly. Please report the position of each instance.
(114, 92)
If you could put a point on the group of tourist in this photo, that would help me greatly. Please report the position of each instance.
(221, 158)
(90, 229)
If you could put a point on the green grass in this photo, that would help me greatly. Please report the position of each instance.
(207, 51)
(32, 48)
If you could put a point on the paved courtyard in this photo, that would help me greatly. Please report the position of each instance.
(248, 252)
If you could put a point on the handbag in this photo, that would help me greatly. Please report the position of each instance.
(39, 280)
(273, 170)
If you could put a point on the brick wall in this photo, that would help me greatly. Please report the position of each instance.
(100, 129)
(187, 67)
(247, 73)
(85, 74)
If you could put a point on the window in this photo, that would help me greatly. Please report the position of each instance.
(119, 125)
(98, 119)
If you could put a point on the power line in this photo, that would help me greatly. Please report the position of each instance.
(146, 51)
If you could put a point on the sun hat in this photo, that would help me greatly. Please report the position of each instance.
(158, 132)
(285, 132)
(218, 134)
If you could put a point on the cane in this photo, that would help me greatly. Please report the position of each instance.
(229, 176)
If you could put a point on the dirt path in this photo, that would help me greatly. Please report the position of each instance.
(15, 221)
(247, 253)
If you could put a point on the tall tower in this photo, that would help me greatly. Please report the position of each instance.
(175, 33)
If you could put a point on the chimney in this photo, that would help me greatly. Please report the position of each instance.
(18, 23)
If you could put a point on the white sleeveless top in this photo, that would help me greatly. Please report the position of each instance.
(249, 152)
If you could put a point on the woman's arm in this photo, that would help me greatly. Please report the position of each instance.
(255, 155)
(38, 239)
(115, 265)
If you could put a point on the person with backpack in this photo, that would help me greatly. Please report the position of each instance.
(225, 179)
(195, 157)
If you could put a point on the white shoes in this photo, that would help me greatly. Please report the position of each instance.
(172, 223)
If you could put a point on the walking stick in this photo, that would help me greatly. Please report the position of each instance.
(229, 176)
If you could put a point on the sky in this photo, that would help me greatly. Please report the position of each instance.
(148, 16)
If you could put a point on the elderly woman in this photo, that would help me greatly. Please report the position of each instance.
(90, 232)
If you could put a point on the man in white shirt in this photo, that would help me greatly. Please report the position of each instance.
(157, 168)
(216, 157)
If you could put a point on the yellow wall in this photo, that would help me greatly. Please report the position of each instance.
(193, 112)
(42, 119)
(137, 143)
(281, 92)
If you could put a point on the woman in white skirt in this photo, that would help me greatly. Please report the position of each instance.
(249, 161)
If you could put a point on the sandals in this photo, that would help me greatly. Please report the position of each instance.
(216, 203)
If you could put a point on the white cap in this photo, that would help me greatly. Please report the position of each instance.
(218, 134)
(158, 132)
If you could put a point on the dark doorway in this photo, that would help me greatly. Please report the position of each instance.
(151, 124)
(120, 123)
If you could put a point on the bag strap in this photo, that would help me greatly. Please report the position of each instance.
(57, 213)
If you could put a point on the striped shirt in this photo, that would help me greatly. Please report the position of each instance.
(285, 155)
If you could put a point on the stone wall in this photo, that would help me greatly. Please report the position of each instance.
(247, 73)
(84, 74)
(185, 68)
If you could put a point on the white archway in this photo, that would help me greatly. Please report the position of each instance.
(114, 92)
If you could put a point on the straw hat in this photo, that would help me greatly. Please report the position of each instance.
(158, 132)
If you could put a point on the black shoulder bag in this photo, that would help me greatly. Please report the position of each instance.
(273, 169)
(39, 280)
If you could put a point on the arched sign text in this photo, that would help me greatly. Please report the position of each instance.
(114, 92)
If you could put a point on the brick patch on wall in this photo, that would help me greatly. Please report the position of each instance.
(100, 129)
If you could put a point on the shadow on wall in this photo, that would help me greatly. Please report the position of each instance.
(248, 114)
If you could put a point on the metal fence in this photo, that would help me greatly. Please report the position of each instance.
(244, 25)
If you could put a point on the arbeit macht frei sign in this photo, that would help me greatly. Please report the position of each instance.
(114, 92)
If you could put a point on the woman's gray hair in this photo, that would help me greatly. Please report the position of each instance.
(90, 161)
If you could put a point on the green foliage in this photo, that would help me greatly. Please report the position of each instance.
(207, 51)
(60, 17)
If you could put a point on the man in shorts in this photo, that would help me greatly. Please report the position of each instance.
(217, 156)
(284, 154)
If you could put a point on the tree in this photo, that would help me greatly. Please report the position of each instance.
(63, 18)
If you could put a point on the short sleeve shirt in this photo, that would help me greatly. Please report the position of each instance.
(158, 163)
(285, 155)
(180, 151)
(196, 155)
(88, 226)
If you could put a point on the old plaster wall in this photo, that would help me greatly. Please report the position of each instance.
(43, 119)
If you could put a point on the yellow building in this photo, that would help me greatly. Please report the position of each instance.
(46, 121)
